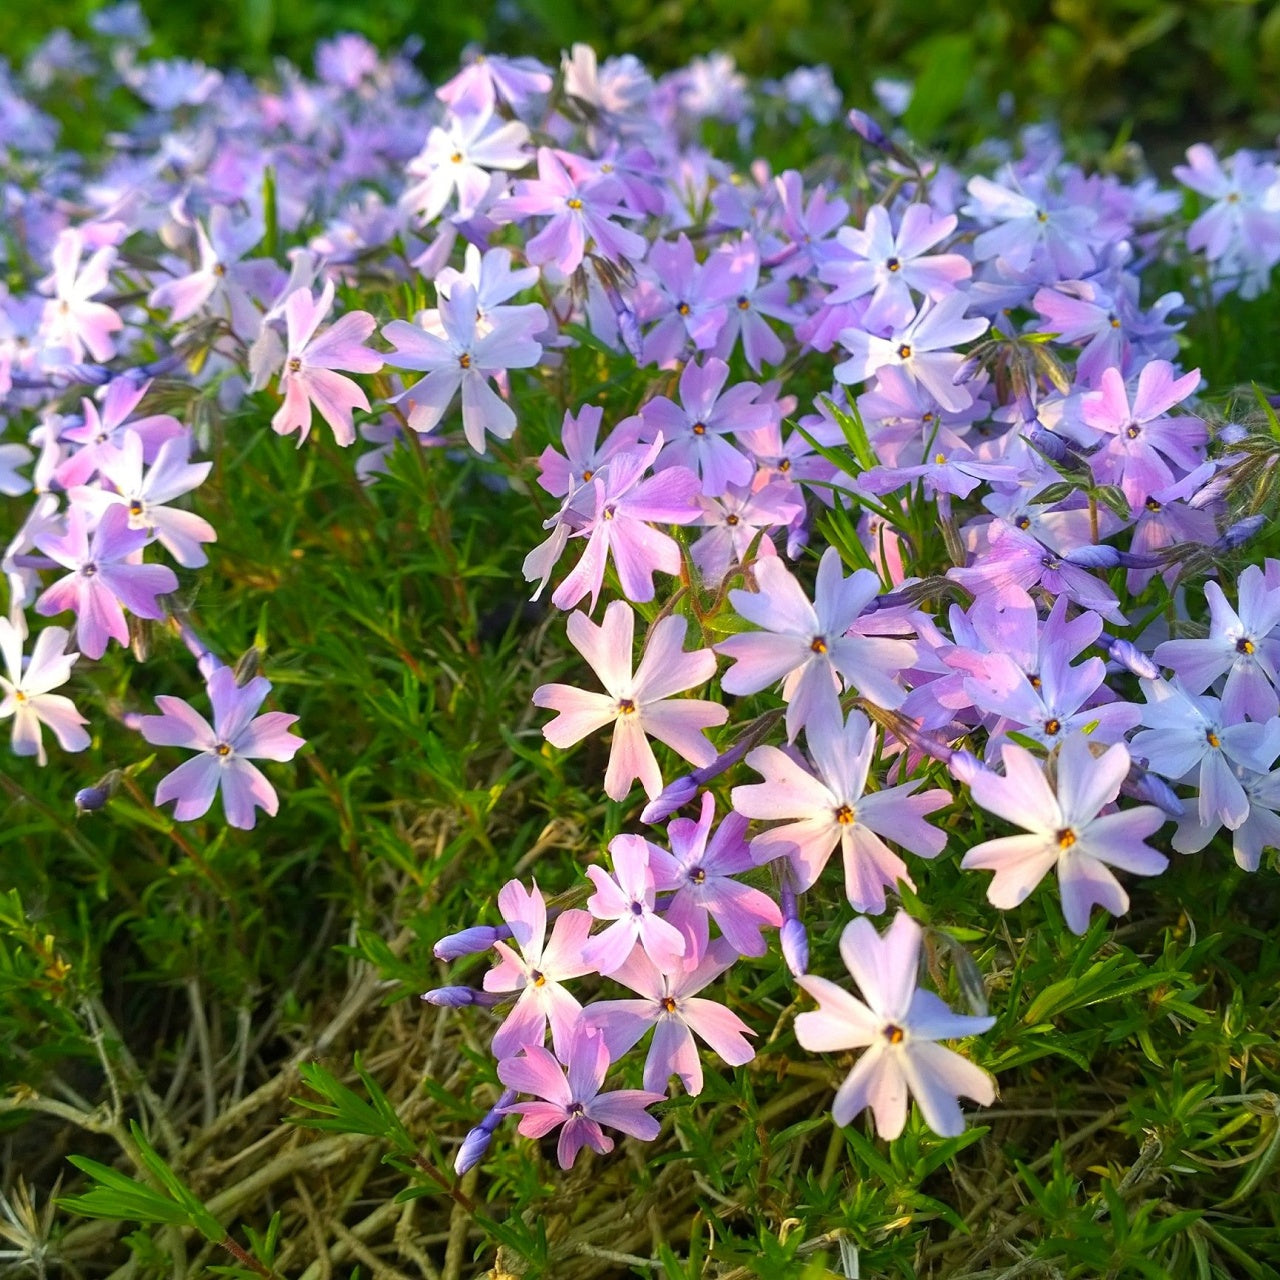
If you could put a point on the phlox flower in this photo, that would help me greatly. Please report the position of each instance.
(738, 264)
(105, 427)
(628, 898)
(13, 456)
(537, 971)
(25, 691)
(1241, 645)
(833, 809)
(733, 522)
(489, 78)
(226, 748)
(144, 495)
(1066, 830)
(1259, 831)
(72, 322)
(899, 1025)
(808, 645)
(563, 474)
(688, 300)
(624, 504)
(1046, 237)
(636, 704)
(671, 1006)
(700, 868)
(463, 355)
(104, 580)
(573, 1098)
(308, 376)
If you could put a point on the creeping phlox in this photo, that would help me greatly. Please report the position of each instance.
(1001, 425)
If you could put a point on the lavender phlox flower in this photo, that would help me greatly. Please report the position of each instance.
(619, 526)
(1042, 237)
(491, 276)
(700, 868)
(614, 93)
(833, 809)
(808, 645)
(308, 376)
(573, 1099)
(1167, 517)
(737, 264)
(694, 431)
(580, 213)
(899, 1025)
(1243, 645)
(105, 429)
(169, 83)
(947, 467)
(487, 78)
(636, 705)
(734, 521)
(72, 323)
(688, 301)
(1141, 440)
(476, 1143)
(810, 225)
(459, 158)
(563, 474)
(464, 356)
(13, 456)
(537, 970)
(143, 494)
(1080, 313)
(237, 736)
(921, 348)
(670, 1005)
(25, 691)
(222, 282)
(888, 265)
(1259, 831)
(628, 898)
(1240, 231)
(1189, 735)
(1065, 829)
(104, 579)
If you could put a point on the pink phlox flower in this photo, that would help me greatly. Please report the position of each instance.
(1244, 646)
(615, 91)
(1065, 829)
(1141, 441)
(460, 158)
(573, 1098)
(700, 869)
(104, 430)
(628, 898)
(808, 645)
(104, 578)
(833, 809)
(921, 348)
(694, 431)
(537, 971)
(309, 376)
(671, 1006)
(226, 748)
(459, 353)
(1187, 734)
(900, 1026)
(1081, 314)
(222, 282)
(72, 322)
(619, 525)
(733, 522)
(580, 214)
(636, 705)
(889, 265)
(25, 692)
(144, 495)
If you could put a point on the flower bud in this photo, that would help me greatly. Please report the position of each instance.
(795, 947)
(1129, 656)
(965, 766)
(468, 942)
(675, 795)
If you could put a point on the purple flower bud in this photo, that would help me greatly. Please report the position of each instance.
(1240, 532)
(675, 795)
(965, 766)
(1141, 785)
(91, 799)
(454, 997)
(1093, 557)
(867, 129)
(466, 943)
(1129, 656)
(476, 1143)
(795, 947)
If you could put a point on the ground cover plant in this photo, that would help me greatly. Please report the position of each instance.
(584, 702)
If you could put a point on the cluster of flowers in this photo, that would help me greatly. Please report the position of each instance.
(989, 353)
